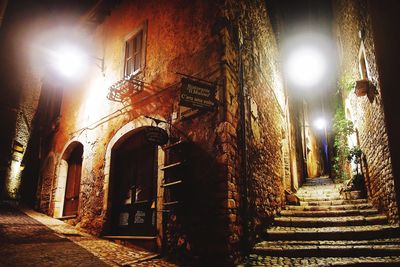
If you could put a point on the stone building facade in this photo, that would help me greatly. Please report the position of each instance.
(233, 161)
(357, 54)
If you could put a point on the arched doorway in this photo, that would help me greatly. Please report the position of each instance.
(73, 158)
(133, 185)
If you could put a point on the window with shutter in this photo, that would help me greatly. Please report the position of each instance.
(134, 54)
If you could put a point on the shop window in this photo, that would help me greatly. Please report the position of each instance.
(135, 52)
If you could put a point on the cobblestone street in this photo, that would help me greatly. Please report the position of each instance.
(28, 238)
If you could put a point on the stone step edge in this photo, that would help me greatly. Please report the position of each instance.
(333, 202)
(321, 224)
(329, 251)
(386, 241)
(337, 261)
(362, 206)
(323, 219)
(326, 213)
(332, 233)
(330, 219)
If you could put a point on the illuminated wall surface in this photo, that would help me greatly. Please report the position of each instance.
(13, 180)
(180, 37)
(366, 112)
(252, 129)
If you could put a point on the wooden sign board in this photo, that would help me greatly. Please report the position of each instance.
(197, 95)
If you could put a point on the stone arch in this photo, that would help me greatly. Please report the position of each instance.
(123, 133)
(120, 136)
(60, 182)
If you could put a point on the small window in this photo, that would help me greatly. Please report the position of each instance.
(362, 63)
(134, 54)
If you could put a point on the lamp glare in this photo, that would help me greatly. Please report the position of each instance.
(306, 67)
(320, 123)
(69, 61)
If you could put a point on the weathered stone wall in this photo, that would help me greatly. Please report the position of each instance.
(20, 88)
(182, 36)
(265, 117)
(251, 43)
(354, 30)
(206, 40)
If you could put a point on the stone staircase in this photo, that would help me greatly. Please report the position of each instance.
(327, 230)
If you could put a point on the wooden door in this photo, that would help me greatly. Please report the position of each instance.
(72, 189)
(134, 198)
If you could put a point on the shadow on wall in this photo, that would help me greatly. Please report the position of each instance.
(193, 233)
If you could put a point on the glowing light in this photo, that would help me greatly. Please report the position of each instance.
(69, 61)
(13, 179)
(306, 66)
(320, 123)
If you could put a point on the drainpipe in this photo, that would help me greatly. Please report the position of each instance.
(3, 6)
(242, 114)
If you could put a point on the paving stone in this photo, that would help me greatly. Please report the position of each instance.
(30, 238)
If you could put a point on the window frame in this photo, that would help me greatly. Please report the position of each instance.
(363, 66)
(129, 37)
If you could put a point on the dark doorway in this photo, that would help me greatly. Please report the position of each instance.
(72, 189)
(134, 186)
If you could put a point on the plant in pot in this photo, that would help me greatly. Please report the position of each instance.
(355, 187)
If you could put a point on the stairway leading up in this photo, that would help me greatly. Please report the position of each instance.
(327, 230)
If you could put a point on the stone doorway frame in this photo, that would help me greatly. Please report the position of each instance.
(125, 130)
(61, 177)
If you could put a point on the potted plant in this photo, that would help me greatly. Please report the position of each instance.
(355, 186)
(364, 87)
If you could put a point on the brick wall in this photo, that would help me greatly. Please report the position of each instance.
(353, 26)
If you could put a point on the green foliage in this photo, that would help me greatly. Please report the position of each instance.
(342, 129)
(354, 154)
(345, 83)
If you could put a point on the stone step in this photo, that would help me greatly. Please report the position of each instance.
(318, 181)
(328, 213)
(330, 207)
(323, 188)
(340, 249)
(332, 233)
(378, 241)
(329, 221)
(264, 260)
(318, 195)
(309, 187)
(333, 202)
(333, 194)
(319, 198)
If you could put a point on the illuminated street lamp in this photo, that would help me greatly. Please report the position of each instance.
(320, 124)
(308, 58)
(69, 61)
(306, 66)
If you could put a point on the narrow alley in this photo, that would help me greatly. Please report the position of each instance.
(199, 133)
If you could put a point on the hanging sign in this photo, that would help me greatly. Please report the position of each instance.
(197, 95)
(156, 135)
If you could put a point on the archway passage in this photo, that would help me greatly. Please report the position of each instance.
(133, 185)
(72, 190)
